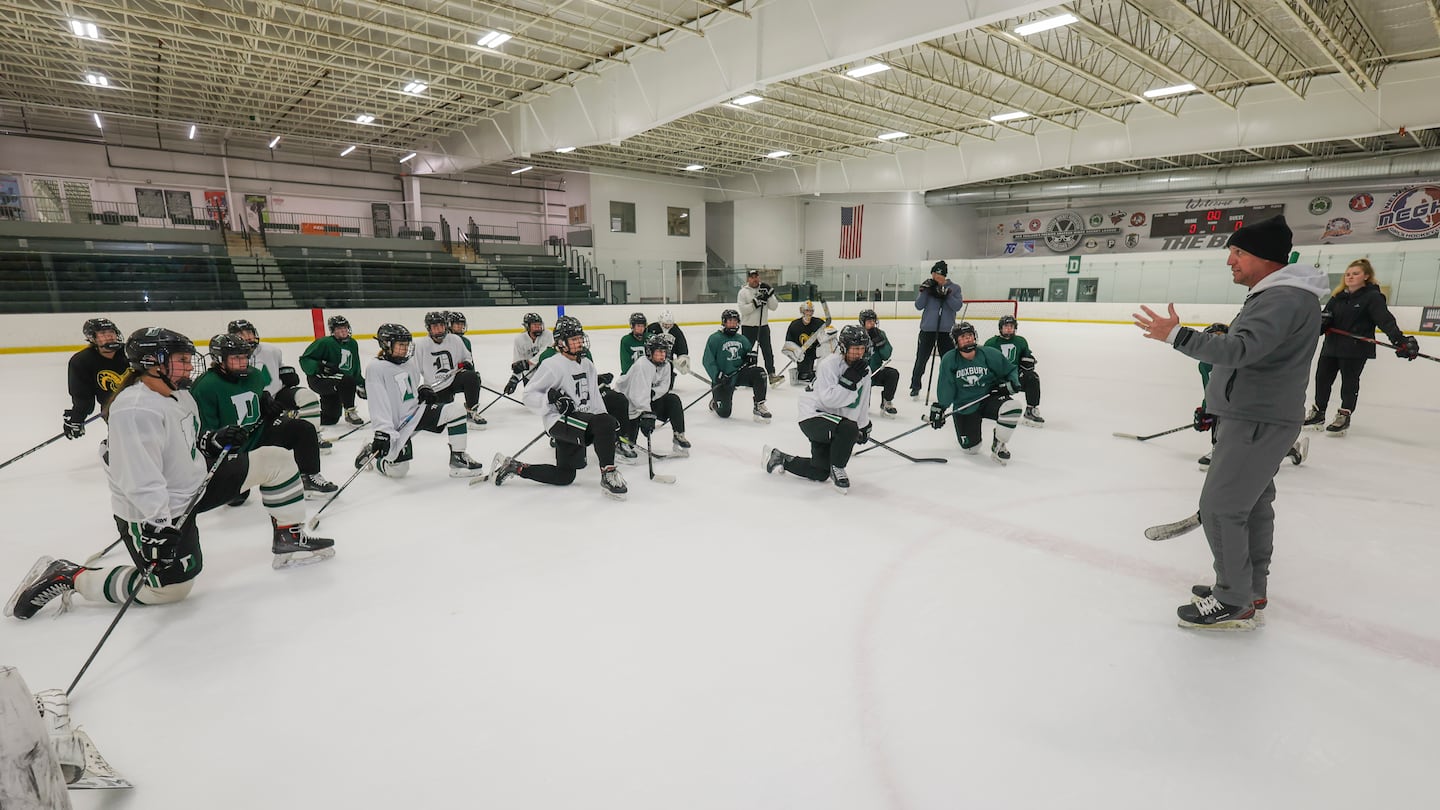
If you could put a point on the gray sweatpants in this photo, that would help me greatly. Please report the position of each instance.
(1236, 505)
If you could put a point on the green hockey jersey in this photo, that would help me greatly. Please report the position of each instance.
(327, 351)
(224, 402)
(965, 381)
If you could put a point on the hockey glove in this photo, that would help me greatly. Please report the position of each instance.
(289, 378)
(1325, 318)
(74, 426)
(519, 367)
(512, 384)
(1006, 387)
(854, 373)
(928, 285)
(465, 365)
(864, 434)
(360, 391)
(940, 292)
(937, 415)
(749, 360)
(1203, 421)
(1408, 348)
(682, 364)
(160, 544)
(723, 380)
(605, 379)
(425, 394)
(1028, 362)
(646, 421)
(562, 402)
(270, 410)
(380, 445)
(213, 442)
(877, 339)
(762, 295)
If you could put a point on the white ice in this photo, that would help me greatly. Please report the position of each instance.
(946, 636)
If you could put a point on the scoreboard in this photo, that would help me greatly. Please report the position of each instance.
(1210, 221)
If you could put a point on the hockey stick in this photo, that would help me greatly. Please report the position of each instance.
(934, 353)
(1335, 331)
(139, 581)
(1152, 435)
(45, 443)
(503, 395)
(369, 458)
(520, 379)
(515, 455)
(1167, 531)
(922, 425)
(662, 478)
(360, 426)
(907, 456)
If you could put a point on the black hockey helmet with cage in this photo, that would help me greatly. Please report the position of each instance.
(637, 319)
(725, 318)
(532, 317)
(868, 315)
(229, 345)
(452, 317)
(853, 335)
(337, 322)
(963, 328)
(241, 325)
(567, 327)
(1006, 320)
(1218, 329)
(387, 336)
(94, 326)
(154, 347)
(657, 342)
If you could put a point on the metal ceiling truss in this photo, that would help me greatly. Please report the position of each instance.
(1251, 39)
(1036, 70)
(1337, 28)
(1098, 66)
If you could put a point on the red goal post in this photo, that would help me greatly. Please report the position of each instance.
(987, 313)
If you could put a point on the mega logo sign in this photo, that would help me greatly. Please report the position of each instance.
(1412, 213)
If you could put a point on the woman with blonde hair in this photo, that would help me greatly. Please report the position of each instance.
(1357, 307)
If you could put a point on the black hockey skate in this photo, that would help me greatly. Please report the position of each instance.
(353, 417)
(463, 466)
(1340, 425)
(1314, 420)
(840, 479)
(1199, 592)
(1210, 613)
(316, 486)
(613, 484)
(761, 413)
(999, 451)
(773, 459)
(47, 579)
(1033, 417)
(625, 452)
(476, 419)
(292, 547)
(325, 445)
(887, 409)
(680, 446)
(1299, 451)
(502, 467)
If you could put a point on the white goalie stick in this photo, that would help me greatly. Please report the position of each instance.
(1168, 531)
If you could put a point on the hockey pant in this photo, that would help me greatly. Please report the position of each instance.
(668, 408)
(1005, 413)
(571, 434)
(297, 436)
(761, 335)
(446, 417)
(1030, 384)
(618, 406)
(269, 468)
(804, 361)
(335, 397)
(724, 393)
(832, 440)
(927, 344)
(887, 379)
(302, 401)
(466, 381)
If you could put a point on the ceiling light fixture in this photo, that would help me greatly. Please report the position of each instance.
(778, 153)
(867, 70)
(522, 169)
(84, 29)
(1010, 116)
(890, 136)
(1174, 90)
(273, 142)
(747, 99)
(347, 151)
(407, 157)
(694, 167)
(1046, 24)
(193, 130)
(565, 150)
(416, 88)
(98, 125)
(493, 40)
(97, 79)
(364, 118)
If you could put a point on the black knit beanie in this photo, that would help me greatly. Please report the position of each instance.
(941, 267)
(1270, 240)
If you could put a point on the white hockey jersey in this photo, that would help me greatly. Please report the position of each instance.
(643, 383)
(528, 348)
(439, 361)
(269, 358)
(752, 312)
(830, 397)
(391, 394)
(155, 467)
(577, 380)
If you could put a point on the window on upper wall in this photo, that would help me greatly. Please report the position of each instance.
(622, 217)
(677, 221)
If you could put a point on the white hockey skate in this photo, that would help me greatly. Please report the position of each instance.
(80, 761)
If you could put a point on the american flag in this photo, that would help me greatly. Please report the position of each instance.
(851, 220)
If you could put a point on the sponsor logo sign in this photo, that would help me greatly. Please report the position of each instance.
(1411, 213)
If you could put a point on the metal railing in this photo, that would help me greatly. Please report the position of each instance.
(77, 211)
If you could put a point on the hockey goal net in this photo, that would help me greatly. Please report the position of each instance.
(988, 311)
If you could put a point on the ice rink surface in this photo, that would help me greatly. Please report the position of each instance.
(947, 636)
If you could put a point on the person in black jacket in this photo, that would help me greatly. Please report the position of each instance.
(1359, 308)
(94, 373)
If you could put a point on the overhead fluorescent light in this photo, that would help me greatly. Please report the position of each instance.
(347, 151)
(193, 130)
(98, 125)
(273, 142)
(364, 118)
(1175, 90)
(747, 99)
(1010, 116)
(565, 150)
(407, 157)
(778, 153)
(84, 29)
(97, 79)
(522, 169)
(867, 70)
(1046, 24)
(890, 136)
(694, 167)
(416, 88)
(494, 39)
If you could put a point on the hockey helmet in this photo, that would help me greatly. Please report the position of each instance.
(667, 319)
(453, 318)
(241, 325)
(226, 346)
(807, 307)
(726, 317)
(963, 328)
(155, 347)
(868, 315)
(387, 336)
(656, 343)
(533, 317)
(637, 319)
(566, 327)
(94, 326)
(1007, 320)
(337, 322)
(853, 335)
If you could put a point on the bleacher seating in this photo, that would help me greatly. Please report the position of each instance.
(543, 279)
(327, 277)
(116, 278)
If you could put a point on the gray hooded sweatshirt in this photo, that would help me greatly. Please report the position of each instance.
(1262, 366)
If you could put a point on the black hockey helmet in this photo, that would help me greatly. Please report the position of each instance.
(387, 336)
(1006, 320)
(637, 319)
(453, 317)
(963, 328)
(228, 345)
(727, 316)
(440, 318)
(868, 315)
(566, 327)
(337, 322)
(657, 342)
(153, 347)
(95, 325)
(241, 325)
(1218, 329)
(853, 335)
(533, 317)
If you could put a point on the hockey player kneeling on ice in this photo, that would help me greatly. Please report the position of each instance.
(730, 362)
(834, 414)
(448, 366)
(566, 393)
(401, 404)
(801, 343)
(970, 372)
(887, 379)
(646, 387)
(679, 349)
(1017, 350)
(230, 394)
(281, 381)
(156, 465)
(332, 370)
(528, 346)
(93, 373)
(632, 345)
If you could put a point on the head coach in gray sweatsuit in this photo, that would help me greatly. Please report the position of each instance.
(1257, 395)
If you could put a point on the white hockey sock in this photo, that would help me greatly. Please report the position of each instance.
(1007, 419)
(273, 470)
